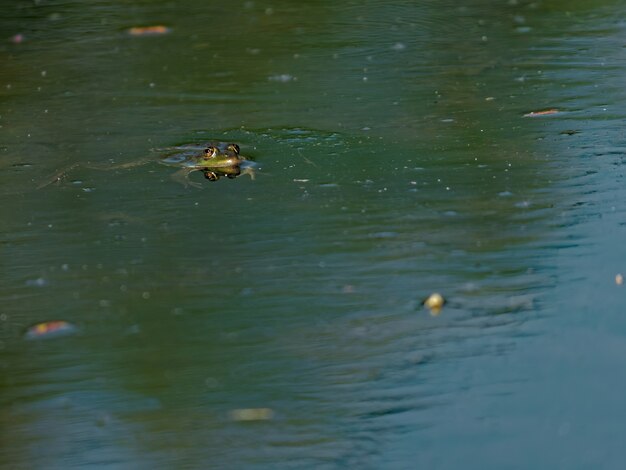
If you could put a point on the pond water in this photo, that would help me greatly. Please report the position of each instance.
(276, 322)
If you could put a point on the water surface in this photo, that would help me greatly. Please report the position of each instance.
(395, 160)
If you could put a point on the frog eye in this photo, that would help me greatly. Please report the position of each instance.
(210, 152)
(233, 148)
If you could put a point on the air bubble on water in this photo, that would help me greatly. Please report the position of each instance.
(211, 383)
(283, 78)
(133, 330)
(383, 235)
(39, 282)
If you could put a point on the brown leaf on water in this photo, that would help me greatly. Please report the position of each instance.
(545, 112)
(148, 30)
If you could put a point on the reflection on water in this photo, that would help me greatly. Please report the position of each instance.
(278, 322)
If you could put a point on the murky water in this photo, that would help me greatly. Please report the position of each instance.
(277, 322)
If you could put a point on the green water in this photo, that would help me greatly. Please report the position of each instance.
(394, 160)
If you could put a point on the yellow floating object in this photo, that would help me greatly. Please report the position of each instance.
(434, 302)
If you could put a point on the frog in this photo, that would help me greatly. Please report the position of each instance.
(214, 160)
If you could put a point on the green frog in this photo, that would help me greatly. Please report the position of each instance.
(214, 160)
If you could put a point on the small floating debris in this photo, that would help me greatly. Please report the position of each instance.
(39, 282)
(50, 329)
(22, 165)
(148, 30)
(619, 279)
(545, 112)
(17, 39)
(283, 77)
(570, 132)
(434, 302)
(252, 414)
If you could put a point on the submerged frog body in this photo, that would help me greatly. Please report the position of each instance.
(214, 160)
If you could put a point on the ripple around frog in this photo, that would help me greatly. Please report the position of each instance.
(225, 161)
(177, 155)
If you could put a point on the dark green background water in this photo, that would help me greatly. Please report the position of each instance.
(395, 161)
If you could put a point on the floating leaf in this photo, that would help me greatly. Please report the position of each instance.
(545, 112)
(148, 30)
